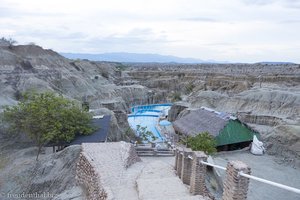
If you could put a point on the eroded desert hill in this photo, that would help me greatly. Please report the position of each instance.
(265, 96)
(30, 67)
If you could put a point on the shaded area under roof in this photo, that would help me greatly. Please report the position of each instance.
(100, 135)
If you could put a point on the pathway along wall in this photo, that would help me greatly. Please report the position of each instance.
(94, 159)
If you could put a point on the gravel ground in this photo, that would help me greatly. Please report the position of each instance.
(265, 167)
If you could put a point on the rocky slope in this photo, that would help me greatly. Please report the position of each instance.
(52, 176)
(31, 67)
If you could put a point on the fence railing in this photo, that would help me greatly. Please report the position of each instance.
(191, 168)
(292, 189)
(279, 185)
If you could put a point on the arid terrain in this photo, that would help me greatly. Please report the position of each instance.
(265, 96)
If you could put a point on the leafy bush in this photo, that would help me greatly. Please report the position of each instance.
(201, 142)
(121, 67)
(47, 117)
(145, 135)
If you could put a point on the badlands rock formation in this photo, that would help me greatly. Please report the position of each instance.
(265, 96)
(30, 67)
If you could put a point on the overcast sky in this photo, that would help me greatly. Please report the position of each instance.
(224, 30)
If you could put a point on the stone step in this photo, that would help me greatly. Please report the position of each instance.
(162, 152)
(153, 154)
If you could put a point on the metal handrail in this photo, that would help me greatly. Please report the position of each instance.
(212, 165)
(292, 189)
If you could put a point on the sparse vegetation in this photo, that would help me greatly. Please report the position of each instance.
(47, 118)
(145, 135)
(11, 42)
(176, 97)
(129, 134)
(201, 142)
(121, 67)
(189, 87)
(105, 74)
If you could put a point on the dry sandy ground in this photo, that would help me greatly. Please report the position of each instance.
(265, 167)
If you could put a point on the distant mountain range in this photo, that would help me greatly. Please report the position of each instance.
(133, 57)
(148, 58)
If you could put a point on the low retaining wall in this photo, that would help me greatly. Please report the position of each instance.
(130, 155)
(97, 158)
(89, 179)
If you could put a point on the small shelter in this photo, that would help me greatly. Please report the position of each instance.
(228, 131)
(101, 123)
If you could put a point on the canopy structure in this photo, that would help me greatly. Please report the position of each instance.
(165, 123)
(225, 128)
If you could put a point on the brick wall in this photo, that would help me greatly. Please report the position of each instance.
(91, 156)
(89, 179)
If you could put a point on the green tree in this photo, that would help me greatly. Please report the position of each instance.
(47, 117)
(11, 42)
(201, 142)
(145, 135)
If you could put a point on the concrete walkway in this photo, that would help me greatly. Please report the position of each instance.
(158, 181)
(153, 178)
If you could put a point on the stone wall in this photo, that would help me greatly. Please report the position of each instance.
(100, 162)
(131, 157)
(89, 179)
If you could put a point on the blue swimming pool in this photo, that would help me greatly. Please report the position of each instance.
(148, 116)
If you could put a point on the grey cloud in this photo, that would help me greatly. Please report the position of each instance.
(137, 36)
(292, 21)
(55, 34)
(9, 12)
(133, 40)
(285, 3)
(220, 44)
(258, 2)
(200, 19)
(295, 4)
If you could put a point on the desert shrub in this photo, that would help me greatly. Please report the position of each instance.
(121, 67)
(201, 142)
(176, 97)
(189, 87)
(11, 42)
(105, 74)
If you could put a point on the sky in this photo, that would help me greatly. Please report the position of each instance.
(221, 30)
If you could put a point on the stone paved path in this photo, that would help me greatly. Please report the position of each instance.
(153, 178)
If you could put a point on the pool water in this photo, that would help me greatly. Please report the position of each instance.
(148, 116)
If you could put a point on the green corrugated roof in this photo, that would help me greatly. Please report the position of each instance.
(234, 132)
